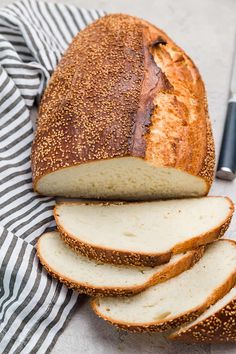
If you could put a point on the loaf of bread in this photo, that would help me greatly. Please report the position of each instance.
(146, 233)
(123, 117)
(178, 300)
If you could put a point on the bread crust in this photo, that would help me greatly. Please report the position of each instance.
(188, 149)
(132, 91)
(174, 322)
(219, 327)
(109, 255)
(169, 272)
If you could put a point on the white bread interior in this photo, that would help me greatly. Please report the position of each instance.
(146, 228)
(126, 178)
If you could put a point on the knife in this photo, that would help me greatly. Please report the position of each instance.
(227, 160)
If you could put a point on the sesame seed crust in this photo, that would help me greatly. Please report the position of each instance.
(123, 88)
(217, 328)
(99, 100)
(160, 276)
(109, 255)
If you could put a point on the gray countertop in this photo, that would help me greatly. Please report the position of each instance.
(205, 29)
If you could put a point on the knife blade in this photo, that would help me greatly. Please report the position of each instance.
(227, 161)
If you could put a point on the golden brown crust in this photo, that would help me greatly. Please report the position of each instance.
(217, 328)
(146, 99)
(207, 170)
(169, 272)
(109, 255)
(175, 322)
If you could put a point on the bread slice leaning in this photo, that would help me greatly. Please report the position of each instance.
(142, 234)
(178, 300)
(216, 325)
(96, 278)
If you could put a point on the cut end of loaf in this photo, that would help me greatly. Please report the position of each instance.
(134, 126)
(124, 178)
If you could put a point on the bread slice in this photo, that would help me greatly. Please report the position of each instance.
(216, 325)
(127, 121)
(145, 234)
(96, 278)
(178, 300)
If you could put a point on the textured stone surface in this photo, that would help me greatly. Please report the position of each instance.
(205, 29)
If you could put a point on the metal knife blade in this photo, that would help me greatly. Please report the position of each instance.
(227, 161)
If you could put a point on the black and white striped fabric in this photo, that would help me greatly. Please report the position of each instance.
(34, 308)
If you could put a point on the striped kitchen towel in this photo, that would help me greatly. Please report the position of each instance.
(34, 308)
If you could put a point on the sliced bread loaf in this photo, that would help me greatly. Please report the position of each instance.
(125, 121)
(96, 278)
(178, 300)
(216, 325)
(144, 234)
